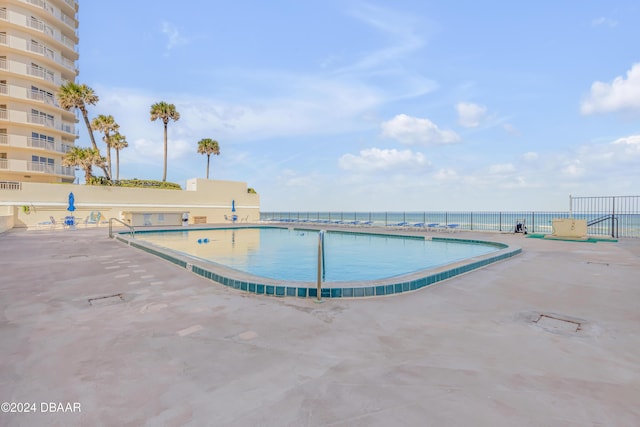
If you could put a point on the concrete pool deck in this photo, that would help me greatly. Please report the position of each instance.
(550, 337)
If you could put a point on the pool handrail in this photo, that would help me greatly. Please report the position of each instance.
(131, 229)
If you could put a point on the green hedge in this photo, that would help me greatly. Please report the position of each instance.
(135, 183)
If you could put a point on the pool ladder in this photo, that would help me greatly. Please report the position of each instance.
(321, 264)
(132, 231)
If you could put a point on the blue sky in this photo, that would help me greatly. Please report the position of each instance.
(376, 105)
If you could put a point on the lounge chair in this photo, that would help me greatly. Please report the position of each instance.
(452, 227)
(51, 223)
(93, 218)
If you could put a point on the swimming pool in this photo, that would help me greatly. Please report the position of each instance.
(244, 245)
(291, 254)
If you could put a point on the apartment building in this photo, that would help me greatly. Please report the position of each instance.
(38, 53)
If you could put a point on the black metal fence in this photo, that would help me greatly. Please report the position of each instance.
(615, 216)
(536, 222)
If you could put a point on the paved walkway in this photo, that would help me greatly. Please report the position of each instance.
(173, 349)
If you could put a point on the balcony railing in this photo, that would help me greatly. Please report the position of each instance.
(4, 164)
(40, 143)
(3, 14)
(50, 169)
(39, 120)
(10, 185)
(68, 128)
(4, 89)
(4, 65)
(44, 97)
(38, 3)
(4, 138)
(47, 30)
(44, 74)
(4, 114)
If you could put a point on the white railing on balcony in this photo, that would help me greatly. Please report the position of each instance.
(42, 96)
(3, 14)
(71, 23)
(49, 168)
(4, 164)
(67, 127)
(71, 65)
(45, 74)
(39, 3)
(4, 114)
(47, 30)
(65, 148)
(10, 185)
(39, 120)
(35, 24)
(4, 89)
(40, 143)
(4, 39)
(4, 65)
(4, 138)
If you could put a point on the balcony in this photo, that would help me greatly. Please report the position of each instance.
(42, 96)
(23, 142)
(50, 169)
(50, 32)
(40, 120)
(4, 90)
(4, 114)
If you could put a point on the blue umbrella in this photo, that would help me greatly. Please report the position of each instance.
(233, 206)
(71, 208)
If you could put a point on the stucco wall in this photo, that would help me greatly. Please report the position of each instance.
(204, 198)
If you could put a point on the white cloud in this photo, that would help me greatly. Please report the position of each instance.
(446, 175)
(470, 115)
(412, 130)
(173, 35)
(630, 146)
(376, 159)
(530, 156)
(510, 129)
(399, 27)
(152, 151)
(574, 169)
(604, 21)
(502, 169)
(620, 94)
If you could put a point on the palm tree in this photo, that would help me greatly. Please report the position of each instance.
(118, 142)
(106, 125)
(208, 146)
(72, 95)
(165, 112)
(85, 158)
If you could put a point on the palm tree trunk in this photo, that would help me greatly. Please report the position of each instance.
(117, 165)
(87, 175)
(109, 160)
(208, 156)
(93, 139)
(164, 175)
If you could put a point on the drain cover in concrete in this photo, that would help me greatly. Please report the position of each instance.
(557, 324)
(106, 300)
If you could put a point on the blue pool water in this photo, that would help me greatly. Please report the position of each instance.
(291, 255)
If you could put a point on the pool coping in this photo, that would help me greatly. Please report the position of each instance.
(246, 282)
